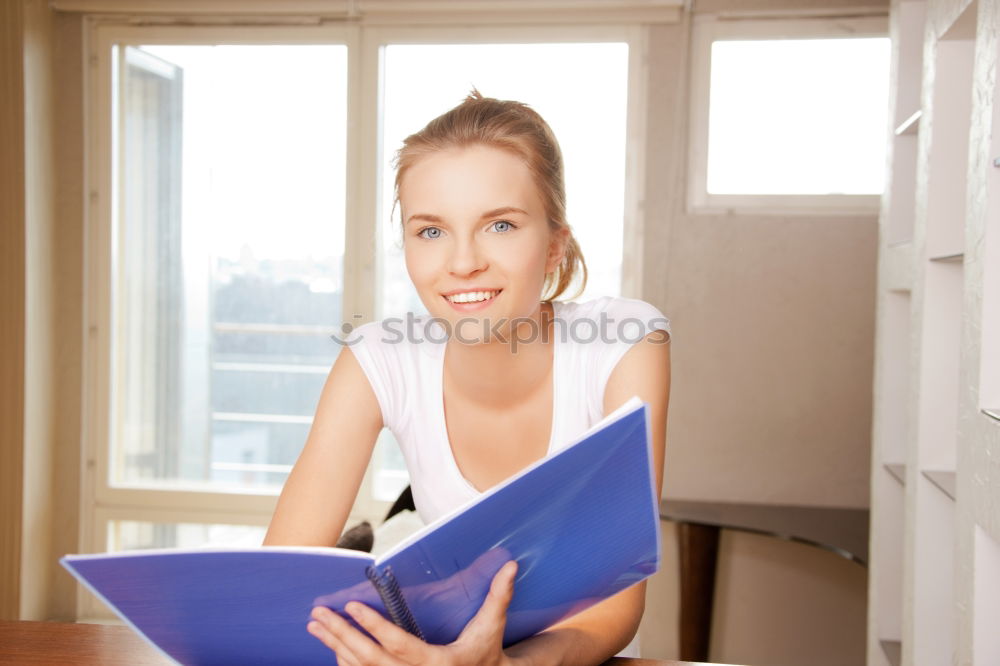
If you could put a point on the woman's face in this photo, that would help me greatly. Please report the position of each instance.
(476, 238)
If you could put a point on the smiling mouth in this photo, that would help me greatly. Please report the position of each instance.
(473, 296)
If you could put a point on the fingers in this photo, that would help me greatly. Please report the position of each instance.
(320, 628)
(488, 624)
(395, 640)
(501, 590)
(352, 647)
(395, 646)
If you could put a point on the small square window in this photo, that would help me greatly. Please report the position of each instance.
(788, 116)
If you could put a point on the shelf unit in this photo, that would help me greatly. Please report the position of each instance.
(935, 504)
(891, 428)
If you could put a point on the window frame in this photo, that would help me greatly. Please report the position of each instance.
(101, 501)
(707, 29)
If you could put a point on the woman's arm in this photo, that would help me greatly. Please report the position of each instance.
(320, 491)
(606, 628)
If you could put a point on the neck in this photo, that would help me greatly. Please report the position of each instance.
(502, 373)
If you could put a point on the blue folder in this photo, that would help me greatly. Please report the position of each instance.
(582, 524)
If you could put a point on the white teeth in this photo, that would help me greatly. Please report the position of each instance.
(472, 296)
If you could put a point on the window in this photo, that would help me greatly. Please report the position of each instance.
(789, 115)
(216, 275)
(240, 214)
(142, 535)
(231, 231)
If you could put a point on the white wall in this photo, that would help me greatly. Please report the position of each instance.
(771, 393)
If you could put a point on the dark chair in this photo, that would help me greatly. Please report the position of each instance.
(362, 536)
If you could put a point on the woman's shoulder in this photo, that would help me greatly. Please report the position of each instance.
(395, 354)
(615, 310)
(595, 335)
(398, 335)
(368, 335)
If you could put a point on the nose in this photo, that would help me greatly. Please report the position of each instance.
(466, 258)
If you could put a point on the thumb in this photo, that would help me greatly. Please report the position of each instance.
(490, 620)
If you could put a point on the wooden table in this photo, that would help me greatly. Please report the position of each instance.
(113, 645)
(841, 531)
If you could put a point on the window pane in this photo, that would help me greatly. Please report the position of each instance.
(229, 262)
(142, 535)
(798, 116)
(582, 92)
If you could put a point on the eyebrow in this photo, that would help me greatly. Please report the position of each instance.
(503, 210)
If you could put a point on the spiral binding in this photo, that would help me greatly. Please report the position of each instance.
(392, 597)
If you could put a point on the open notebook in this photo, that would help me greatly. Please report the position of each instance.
(582, 523)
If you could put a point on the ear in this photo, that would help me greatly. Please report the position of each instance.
(557, 249)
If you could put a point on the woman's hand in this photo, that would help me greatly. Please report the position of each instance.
(481, 642)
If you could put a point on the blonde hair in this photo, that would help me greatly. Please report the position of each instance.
(520, 130)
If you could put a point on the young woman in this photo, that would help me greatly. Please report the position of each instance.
(499, 375)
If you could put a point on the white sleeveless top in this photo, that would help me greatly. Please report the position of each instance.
(405, 372)
(404, 363)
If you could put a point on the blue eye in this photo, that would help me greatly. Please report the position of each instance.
(501, 226)
(429, 232)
